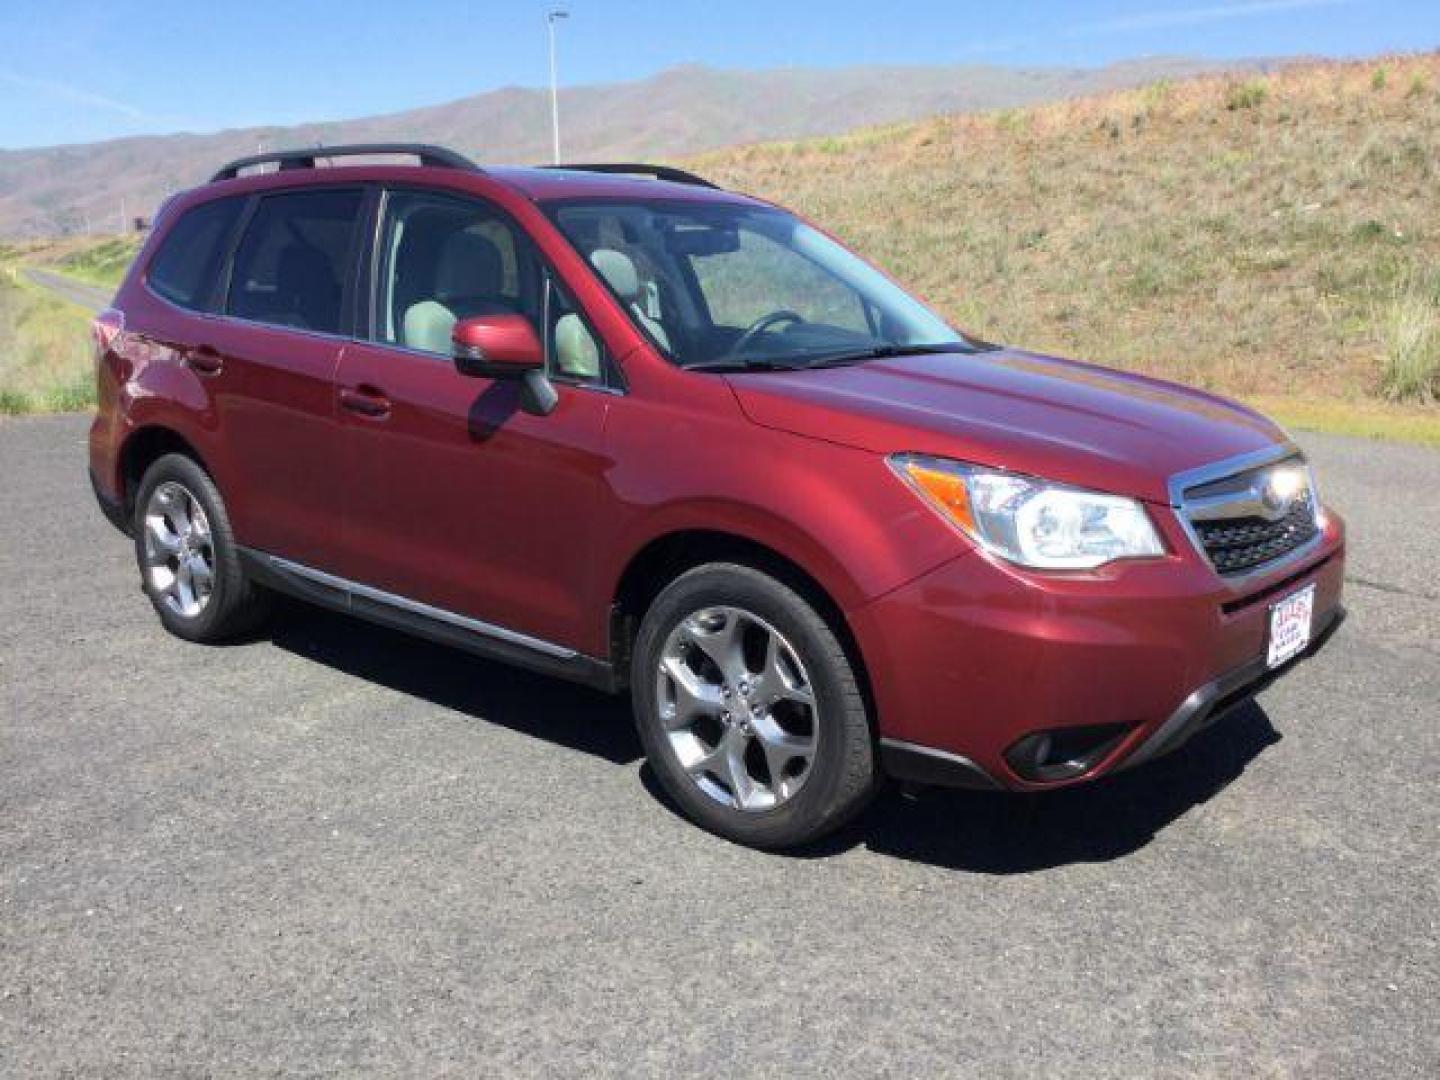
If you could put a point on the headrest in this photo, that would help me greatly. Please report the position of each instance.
(619, 272)
(470, 265)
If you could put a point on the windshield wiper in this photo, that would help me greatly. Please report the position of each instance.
(754, 363)
(877, 352)
(887, 352)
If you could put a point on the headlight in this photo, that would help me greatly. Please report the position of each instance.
(1030, 521)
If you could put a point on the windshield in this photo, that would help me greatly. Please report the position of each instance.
(722, 286)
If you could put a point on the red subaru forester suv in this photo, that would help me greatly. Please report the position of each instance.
(615, 424)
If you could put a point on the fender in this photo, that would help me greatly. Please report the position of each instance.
(744, 522)
(835, 511)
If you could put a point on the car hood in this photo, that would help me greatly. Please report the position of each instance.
(1075, 423)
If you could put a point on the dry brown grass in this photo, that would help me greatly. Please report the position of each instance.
(1252, 236)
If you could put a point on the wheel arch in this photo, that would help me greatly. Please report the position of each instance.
(667, 556)
(141, 449)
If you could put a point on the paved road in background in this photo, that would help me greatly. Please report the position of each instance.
(92, 298)
(335, 850)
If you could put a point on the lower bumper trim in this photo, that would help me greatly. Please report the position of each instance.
(1213, 700)
(925, 765)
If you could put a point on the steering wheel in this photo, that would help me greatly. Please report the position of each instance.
(762, 325)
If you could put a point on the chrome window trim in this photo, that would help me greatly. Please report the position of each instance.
(1182, 482)
(415, 607)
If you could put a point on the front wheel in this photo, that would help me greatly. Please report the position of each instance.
(749, 709)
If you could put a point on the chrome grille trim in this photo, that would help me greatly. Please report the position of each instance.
(1226, 503)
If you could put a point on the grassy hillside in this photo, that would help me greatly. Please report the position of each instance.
(70, 189)
(1275, 237)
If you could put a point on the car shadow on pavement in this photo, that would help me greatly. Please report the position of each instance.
(568, 715)
(1003, 833)
(980, 832)
(1009, 833)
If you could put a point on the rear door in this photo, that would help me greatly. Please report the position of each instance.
(289, 303)
(458, 499)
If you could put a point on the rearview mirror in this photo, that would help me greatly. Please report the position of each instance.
(702, 240)
(505, 347)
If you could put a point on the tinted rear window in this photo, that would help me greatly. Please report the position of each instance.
(291, 266)
(185, 268)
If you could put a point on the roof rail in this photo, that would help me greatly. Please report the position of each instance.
(437, 156)
(659, 172)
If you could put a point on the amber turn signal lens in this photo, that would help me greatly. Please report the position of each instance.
(945, 489)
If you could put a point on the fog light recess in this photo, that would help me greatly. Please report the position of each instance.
(1063, 753)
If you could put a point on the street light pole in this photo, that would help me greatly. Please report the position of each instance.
(551, 18)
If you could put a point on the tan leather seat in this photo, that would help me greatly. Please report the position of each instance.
(576, 352)
(427, 326)
(619, 272)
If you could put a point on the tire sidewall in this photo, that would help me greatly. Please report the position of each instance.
(819, 804)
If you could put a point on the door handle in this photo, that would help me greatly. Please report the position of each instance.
(205, 359)
(365, 400)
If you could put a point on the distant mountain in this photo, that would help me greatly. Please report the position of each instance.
(67, 189)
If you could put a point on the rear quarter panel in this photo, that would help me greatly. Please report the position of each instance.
(144, 383)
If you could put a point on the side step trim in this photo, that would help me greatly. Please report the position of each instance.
(415, 607)
(430, 622)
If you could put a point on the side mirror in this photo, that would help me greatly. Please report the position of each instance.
(496, 347)
(505, 347)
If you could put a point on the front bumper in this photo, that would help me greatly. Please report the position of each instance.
(971, 660)
(110, 505)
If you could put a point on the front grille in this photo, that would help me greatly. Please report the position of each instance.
(1242, 544)
(1254, 517)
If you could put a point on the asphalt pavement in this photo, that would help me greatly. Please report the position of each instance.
(337, 851)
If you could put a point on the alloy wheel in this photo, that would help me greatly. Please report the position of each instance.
(179, 550)
(737, 707)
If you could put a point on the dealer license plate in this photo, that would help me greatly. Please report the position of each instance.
(1290, 622)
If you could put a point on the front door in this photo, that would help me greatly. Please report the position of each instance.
(458, 499)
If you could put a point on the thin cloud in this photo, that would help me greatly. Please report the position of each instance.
(1151, 20)
(78, 96)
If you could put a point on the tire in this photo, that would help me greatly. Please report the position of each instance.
(791, 668)
(193, 528)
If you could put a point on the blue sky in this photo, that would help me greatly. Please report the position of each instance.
(74, 72)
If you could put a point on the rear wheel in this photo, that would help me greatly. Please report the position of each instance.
(749, 709)
(189, 564)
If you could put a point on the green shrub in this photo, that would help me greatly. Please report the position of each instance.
(1250, 94)
(14, 403)
(103, 264)
(1410, 332)
(1156, 95)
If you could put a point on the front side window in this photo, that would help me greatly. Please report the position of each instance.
(291, 266)
(443, 258)
(187, 266)
(720, 285)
